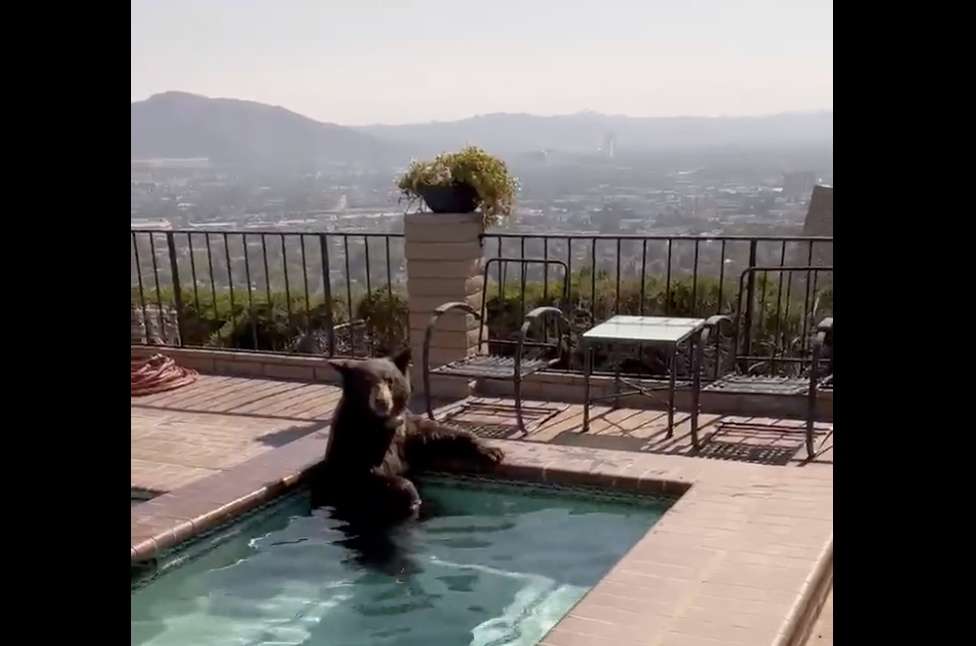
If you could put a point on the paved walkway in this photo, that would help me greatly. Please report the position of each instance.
(216, 423)
(759, 440)
(181, 436)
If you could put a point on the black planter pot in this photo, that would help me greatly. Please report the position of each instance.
(457, 198)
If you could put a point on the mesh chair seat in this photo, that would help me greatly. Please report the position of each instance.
(490, 367)
(808, 386)
(760, 385)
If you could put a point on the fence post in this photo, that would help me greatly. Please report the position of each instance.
(327, 292)
(444, 261)
(750, 297)
(177, 291)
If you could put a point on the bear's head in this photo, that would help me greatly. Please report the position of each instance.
(378, 387)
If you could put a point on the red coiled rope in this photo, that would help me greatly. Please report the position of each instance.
(158, 373)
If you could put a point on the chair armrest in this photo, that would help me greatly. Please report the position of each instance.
(824, 335)
(440, 311)
(349, 324)
(532, 317)
(539, 312)
(454, 305)
(823, 338)
(714, 325)
(717, 322)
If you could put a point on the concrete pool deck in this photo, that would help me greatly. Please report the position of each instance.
(743, 557)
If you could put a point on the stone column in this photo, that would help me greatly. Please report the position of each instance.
(443, 253)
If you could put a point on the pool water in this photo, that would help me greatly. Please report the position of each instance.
(487, 563)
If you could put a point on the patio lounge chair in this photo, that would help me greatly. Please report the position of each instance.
(526, 357)
(745, 379)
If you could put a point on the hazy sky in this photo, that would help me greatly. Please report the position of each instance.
(395, 61)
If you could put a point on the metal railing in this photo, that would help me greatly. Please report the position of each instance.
(693, 276)
(779, 346)
(280, 285)
(249, 290)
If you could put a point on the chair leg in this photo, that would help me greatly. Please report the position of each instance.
(430, 407)
(671, 385)
(696, 369)
(811, 411)
(812, 398)
(587, 368)
(616, 378)
(518, 406)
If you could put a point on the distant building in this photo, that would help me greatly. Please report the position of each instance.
(820, 222)
(820, 214)
(797, 186)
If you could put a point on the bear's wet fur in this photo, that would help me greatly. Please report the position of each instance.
(375, 445)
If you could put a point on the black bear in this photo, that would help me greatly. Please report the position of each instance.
(375, 443)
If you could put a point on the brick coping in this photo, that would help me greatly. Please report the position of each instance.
(740, 558)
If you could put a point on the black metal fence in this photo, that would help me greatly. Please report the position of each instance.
(687, 276)
(329, 293)
(769, 335)
(345, 293)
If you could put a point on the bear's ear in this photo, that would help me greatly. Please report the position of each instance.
(402, 360)
(342, 366)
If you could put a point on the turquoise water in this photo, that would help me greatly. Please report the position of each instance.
(486, 564)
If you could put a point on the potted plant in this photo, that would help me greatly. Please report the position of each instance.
(460, 183)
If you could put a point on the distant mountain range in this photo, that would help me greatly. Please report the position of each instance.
(182, 125)
(177, 124)
(586, 131)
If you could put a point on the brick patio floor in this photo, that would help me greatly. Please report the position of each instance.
(218, 422)
(760, 440)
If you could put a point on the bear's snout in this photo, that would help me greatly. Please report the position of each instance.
(381, 400)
